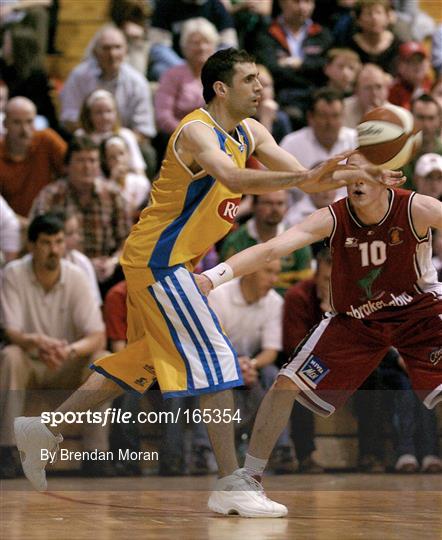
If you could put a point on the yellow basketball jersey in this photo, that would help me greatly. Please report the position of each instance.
(188, 212)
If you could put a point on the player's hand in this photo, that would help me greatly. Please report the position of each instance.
(204, 283)
(322, 177)
(349, 174)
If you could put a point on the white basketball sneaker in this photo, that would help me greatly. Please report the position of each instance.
(32, 437)
(241, 494)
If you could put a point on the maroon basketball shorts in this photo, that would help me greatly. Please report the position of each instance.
(337, 356)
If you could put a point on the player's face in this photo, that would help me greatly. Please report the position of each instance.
(47, 251)
(363, 194)
(244, 93)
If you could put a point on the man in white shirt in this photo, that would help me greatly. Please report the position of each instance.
(54, 326)
(250, 311)
(324, 136)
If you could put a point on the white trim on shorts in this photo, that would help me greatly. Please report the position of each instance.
(221, 362)
(433, 397)
(318, 405)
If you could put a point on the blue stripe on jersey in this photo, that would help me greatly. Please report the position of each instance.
(221, 138)
(243, 132)
(200, 328)
(196, 192)
(187, 326)
(176, 339)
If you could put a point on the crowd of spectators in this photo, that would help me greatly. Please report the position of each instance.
(76, 167)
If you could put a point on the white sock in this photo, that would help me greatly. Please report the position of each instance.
(254, 466)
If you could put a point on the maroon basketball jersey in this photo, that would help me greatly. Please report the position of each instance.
(382, 271)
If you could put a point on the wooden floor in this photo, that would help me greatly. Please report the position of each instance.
(329, 507)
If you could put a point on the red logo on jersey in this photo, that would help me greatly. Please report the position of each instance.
(394, 236)
(436, 356)
(228, 209)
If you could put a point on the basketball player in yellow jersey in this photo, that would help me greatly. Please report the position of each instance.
(173, 336)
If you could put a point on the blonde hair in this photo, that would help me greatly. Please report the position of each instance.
(85, 113)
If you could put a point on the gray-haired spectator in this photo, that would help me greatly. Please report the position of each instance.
(180, 89)
(105, 67)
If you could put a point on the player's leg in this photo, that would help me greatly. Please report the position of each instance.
(323, 371)
(221, 434)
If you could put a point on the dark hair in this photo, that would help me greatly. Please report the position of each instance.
(44, 224)
(79, 143)
(221, 67)
(26, 51)
(425, 98)
(327, 94)
(122, 11)
(359, 7)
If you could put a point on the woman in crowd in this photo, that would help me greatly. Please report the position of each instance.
(180, 89)
(99, 120)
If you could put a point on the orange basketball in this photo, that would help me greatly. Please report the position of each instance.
(387, 136)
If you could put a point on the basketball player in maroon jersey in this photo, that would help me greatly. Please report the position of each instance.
(384, 293)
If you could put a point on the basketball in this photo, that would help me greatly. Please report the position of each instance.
(387, 136)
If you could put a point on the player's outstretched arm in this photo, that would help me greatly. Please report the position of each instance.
(317, 226)
(426, 212)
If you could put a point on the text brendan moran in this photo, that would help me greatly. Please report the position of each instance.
(96, 455)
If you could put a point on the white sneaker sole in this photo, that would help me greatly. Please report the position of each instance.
(217, 503)
(30, 452)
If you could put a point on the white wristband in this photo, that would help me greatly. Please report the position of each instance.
(219, 274)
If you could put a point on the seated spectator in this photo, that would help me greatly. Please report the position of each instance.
(169, 16)
(294, 50)
(436, 91)
(325, 135)
(104, 222)
(99, 119)
(4, 94)
(106, 68)
(416, 24)
(268, 212)
(427, 118)
(428, 175)
(10, 240)
(134, 188)
(372, 87)
(413, 77)
(374, 42)
(74, 253)
(269, 113)
(250, 312)
(21, 68)
(341, 69)
(54, 333)
(180, 90)
(29, 160)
